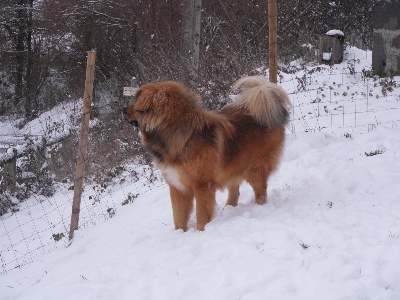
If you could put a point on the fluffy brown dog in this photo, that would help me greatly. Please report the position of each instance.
(200, 151)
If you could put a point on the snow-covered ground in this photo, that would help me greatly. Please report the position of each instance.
(330, 229)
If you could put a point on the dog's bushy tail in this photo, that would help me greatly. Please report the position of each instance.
(266, 102)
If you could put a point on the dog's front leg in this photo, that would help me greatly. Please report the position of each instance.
(182, 205)
(205, 204)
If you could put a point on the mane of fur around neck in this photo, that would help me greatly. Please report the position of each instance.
(171, 105)
(178, 113)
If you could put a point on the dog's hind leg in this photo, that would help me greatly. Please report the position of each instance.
(233, 195)
(257, 178)
(182, 205)
(205, 204)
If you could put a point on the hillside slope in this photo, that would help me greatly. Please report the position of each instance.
(330, 229)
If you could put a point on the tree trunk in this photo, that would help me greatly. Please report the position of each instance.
(190, 42)
(30, 94)
(20, 55)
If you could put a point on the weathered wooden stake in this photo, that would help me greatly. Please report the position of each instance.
(10, 173)
(273, 41)
(83, 142)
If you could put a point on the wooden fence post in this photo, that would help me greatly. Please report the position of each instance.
(273, 41)
(83, 142)
(10, 173)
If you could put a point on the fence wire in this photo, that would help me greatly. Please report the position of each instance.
(117, 172)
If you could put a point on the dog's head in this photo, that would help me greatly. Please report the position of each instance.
(163, 105)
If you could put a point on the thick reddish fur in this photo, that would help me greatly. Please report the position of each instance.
(200, 151)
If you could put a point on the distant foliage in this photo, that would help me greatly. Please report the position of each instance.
(34, 176)
(43, 43)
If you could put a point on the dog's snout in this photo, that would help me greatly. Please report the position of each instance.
(134, 123)
(128, 118)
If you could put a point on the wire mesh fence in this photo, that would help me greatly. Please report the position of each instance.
(324, 98)
(41, 224)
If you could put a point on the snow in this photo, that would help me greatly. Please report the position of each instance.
(335, 32)
(330, 229)
(55, 124)
(52, 125)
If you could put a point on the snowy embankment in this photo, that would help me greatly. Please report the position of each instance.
(330, 229)
(53, 125)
